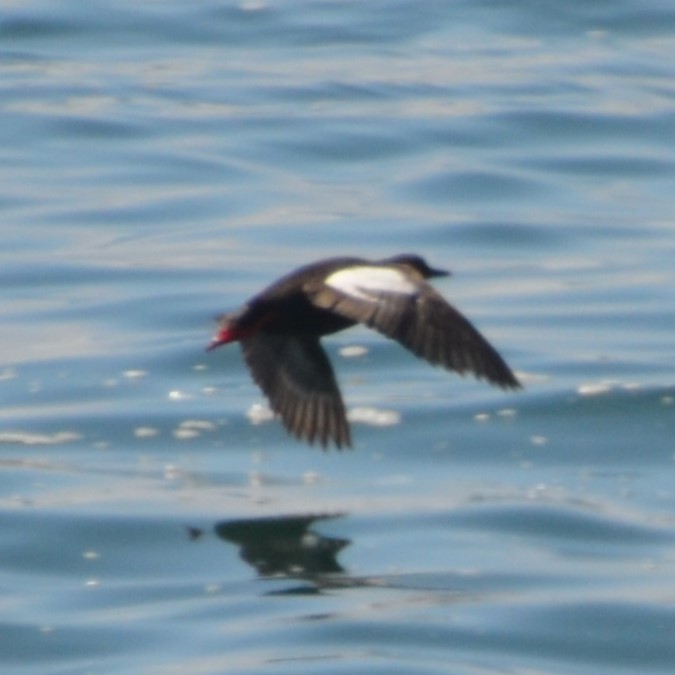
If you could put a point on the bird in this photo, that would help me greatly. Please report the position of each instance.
(279, 331)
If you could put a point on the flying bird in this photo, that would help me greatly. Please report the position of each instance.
(280, 329)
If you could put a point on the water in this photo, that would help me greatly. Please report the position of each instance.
(163, 162)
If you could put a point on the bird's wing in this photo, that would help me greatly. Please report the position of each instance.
(412, 312)
(296, 376)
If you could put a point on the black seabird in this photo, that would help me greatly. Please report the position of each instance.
(279, 331)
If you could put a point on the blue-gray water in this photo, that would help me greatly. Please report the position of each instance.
(161, 162)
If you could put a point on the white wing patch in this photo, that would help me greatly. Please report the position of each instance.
(365, 282)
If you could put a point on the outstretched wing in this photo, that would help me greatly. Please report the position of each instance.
(296, 376)
(406, 308)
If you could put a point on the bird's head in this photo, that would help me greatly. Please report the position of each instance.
(417, 263)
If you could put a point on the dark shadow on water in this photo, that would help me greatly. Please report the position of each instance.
(287, 547)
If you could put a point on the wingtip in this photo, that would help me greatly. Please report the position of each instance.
(504, 379)
(511, 383)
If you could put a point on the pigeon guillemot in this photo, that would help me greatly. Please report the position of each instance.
(279, 331)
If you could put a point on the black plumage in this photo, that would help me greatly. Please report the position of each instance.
(280, 330)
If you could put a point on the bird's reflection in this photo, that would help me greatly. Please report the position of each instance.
(285, 546)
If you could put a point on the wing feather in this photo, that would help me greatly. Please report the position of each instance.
(424, 323)
(295, 374)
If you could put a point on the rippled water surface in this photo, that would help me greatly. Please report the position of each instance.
(162, 162)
